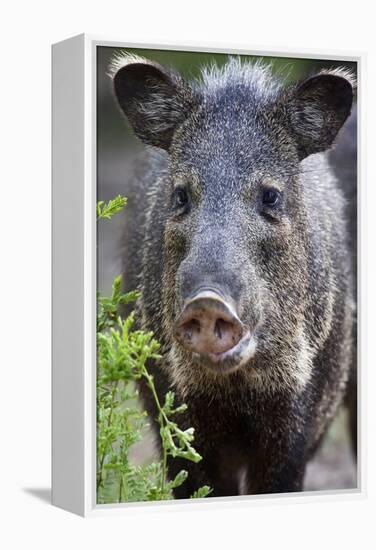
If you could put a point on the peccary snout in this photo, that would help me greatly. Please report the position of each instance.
(208, 324)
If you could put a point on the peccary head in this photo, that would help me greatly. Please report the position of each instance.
(235, 277)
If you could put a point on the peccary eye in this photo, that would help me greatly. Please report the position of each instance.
(180, 197)
(271, 198)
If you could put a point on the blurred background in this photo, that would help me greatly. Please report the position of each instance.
(117, 151)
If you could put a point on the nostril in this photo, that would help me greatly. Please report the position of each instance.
(190, 329)
(222, 327)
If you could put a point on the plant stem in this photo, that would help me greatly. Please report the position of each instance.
(100, 476)
(164, 470)
(163, 421)
(121, 487)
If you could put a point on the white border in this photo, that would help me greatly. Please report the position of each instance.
(90, 506)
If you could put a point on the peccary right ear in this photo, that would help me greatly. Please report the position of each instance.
(155, 100)
(317, 109)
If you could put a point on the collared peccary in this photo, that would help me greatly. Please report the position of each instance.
(237, 237)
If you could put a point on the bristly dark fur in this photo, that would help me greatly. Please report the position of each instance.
(226, 138)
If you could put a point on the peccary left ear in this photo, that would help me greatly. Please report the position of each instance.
(155, 100)
(317, 108)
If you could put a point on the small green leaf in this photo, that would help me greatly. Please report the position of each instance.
(106, 211)
(179, 479)
(202, 492)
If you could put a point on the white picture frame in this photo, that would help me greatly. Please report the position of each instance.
(74, 279)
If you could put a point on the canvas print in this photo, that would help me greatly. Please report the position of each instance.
(226, 275)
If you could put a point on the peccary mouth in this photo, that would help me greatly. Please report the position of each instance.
(232, 359)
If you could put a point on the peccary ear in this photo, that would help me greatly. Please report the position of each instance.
(155, 100)
(317, 109)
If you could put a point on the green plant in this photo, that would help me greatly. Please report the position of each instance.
(122, 356)
(114, 206)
